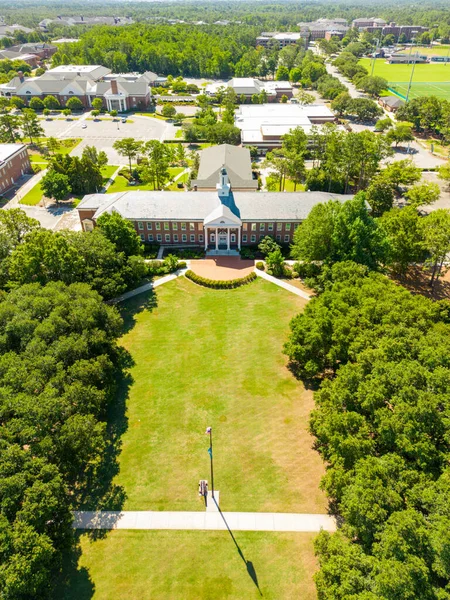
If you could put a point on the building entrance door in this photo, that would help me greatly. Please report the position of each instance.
(222, 239)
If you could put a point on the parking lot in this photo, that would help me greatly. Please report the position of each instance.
(103, 134)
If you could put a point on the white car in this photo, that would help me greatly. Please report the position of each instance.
(84, 126)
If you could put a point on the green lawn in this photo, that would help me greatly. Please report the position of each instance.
(120, 184)
(206, 357)
(426, 72)
(38, 159)
(108, 172)
(197, 565)
(430, 51)
(289, 186)
(33, 197)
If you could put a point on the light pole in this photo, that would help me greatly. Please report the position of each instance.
(413, 68)
(210, 452)
(374, 58)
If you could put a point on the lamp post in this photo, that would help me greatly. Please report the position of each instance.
(210, 452)
(413, 68)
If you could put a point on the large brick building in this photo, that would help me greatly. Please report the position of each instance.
(220, 221)
(14, 163)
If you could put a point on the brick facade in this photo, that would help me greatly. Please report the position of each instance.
(13, 167)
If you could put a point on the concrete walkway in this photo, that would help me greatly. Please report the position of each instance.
(283, 284)
(212, 521)
(148, 286)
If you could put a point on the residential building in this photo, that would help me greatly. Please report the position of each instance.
(264, 125)
(82, 20)
(39, 49)
(368, 22)
(10, 30)
(409, 31)
(234, 159)
(220, 220)
(14, 163)
(30, 59)
(86, 82)
(248, 87)
(279, 40)
(317, 29)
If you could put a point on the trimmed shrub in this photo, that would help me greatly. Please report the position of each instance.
(260, 265)
(220, 285)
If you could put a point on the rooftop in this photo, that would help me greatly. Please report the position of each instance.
(236, 160)
(8, 150)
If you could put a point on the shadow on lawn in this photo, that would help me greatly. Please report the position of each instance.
(132, 307)
(75, 583)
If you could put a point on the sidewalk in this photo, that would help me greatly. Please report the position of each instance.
(147, 287)
(204, 521)
(283, 284)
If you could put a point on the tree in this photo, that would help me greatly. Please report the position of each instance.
(282, 73)
(156, 171)
(128, 147)
(402, 172)
(17, 102)
(55, 185)
(121, 233)
(113, 113)
(364, 109)
(168, 111)
(304, 98)
(372, 85)
(444, 172)
(30, 125)
(98, 158)
(341, 103)
(74, 103)
(51, 103)
(380, 196)
(9, 128)
(268, 245)
(383, 124)
(52, 145)
(423, 194)
(295, 74)
(401, 132)
(275, 263)
(36, 103)
(404, 235)
(46, 112)
(67, 112)
(97, 104)
(436, 240)
(284, 99)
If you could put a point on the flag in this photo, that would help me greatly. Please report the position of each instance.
(208, 430)
(210, 451)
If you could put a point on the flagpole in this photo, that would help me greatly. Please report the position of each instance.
(211, 454)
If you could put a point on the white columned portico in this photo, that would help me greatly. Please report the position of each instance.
(228, 238)
(205, 231)
(217, 238)
(239, 238)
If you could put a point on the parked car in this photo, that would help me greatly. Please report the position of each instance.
(124, 119)
(84, 126)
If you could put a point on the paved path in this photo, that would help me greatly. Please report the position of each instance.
(148, 286)
(212, 521)
(283, 284)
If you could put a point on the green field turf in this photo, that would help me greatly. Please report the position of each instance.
(206, 357)
(440, 89)
(191, 565)
(426, 72)
(430, 51)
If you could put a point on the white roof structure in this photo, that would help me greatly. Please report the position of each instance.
(94, 71)
(9, 150)
(261, 123)
(249, 86)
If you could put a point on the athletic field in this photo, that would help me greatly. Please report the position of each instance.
(439, 89)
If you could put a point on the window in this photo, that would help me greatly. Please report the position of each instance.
(175, 237)
(286, 238)
(150, 237)
(295, 226)
(278, 238)
(253, 226)
(244, 239)
(159, 237)
(213, 237)
(157, 226)
(287, 227)
(200, 238)
(261, 237)
(244, 226)
(270, 227)
(184, 238)
(149, 225)
(142, 237)
(233, 238)
(166, 225)
(175, 226)
(183, 226)
(253, 238)
(192, 237)
(279, 226)
(167, 236)
(192, 226)
(140, 225)
(262, 226)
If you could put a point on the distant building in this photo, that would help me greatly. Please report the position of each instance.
(279, 40)
(14, 163)
(248, 87)
(30, 59)
(82, 20)
(368, 22)
(40, 49)
(234, 159)
(264, 125)
(444, 59)
(86, 82)
(406, 59)
(334, 33)
(221, 221)
(66, 41)
(316, 30)
(409, 31)
(10, 30)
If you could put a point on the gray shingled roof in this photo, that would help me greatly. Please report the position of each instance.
(236, 160)
(195, 206)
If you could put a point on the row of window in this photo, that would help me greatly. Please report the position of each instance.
(287, 238)
(270, 226)
(159, 237)
(166, 226)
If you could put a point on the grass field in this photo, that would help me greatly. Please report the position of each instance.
(430, 51)
(197, 565)
(120, 184)
(205, 357)
(289, 185)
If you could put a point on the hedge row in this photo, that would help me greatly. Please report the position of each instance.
(220, 285)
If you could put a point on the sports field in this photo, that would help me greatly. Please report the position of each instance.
(429, 79)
